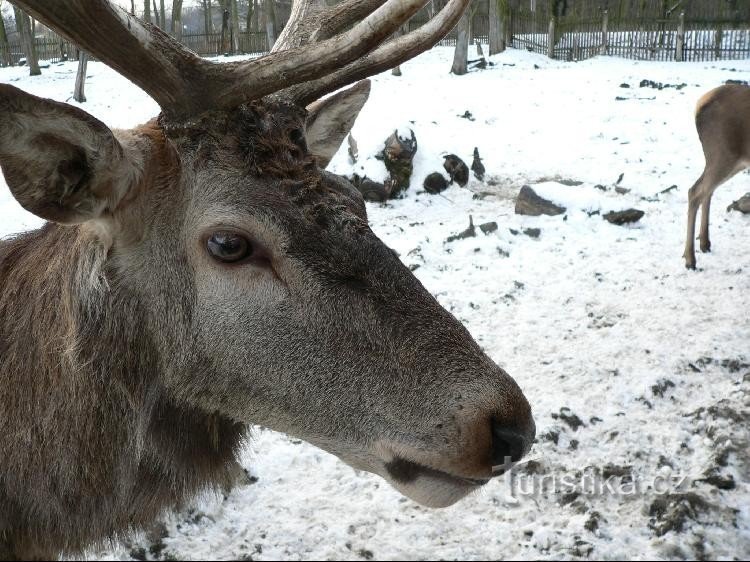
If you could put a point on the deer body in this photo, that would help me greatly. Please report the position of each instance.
(200, 273)
(723, 123)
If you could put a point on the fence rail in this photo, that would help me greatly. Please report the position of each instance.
(702, 30)
(646, 30)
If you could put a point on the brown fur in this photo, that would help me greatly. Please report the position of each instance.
(723, 122)
(131, 361)
(142, 453)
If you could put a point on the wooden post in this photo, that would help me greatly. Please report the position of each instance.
(605, 31)
(79, 93)
(551, 39)
(680, 53)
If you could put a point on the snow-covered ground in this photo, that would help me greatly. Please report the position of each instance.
(637, 369)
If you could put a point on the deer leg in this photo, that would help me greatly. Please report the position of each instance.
(705, 213)
(694, 200)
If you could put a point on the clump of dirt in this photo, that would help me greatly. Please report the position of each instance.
(567, 416)
(672, 512)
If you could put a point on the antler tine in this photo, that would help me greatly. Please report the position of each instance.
(183, 83)
(342, 15)
(305, 62)
(140, 52)
(386, 56)
(300, 26)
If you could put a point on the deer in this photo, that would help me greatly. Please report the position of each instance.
(201, 274)
(722, 119)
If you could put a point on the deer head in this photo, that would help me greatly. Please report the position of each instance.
(268, 299)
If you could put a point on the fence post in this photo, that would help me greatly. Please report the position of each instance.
(551, 38)
(605, 29)
(680, 54)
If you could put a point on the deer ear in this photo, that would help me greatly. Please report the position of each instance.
(60, 163)
(329, 120)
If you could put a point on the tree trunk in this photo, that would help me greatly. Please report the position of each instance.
(498, 16)
(157, 19)
(235, 26)
(5, 58)
(162, 15)
(208, 24)
(147, 11)
(403, 30)
(132, 7)
(270, 14)
(461, 55)
(23, 24)
(225, 43)
(250, 14)
(177, 19)
(256, 16)
(79, 94)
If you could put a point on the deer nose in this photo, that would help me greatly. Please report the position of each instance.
(509, 445)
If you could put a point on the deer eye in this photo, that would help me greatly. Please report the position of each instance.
(229, 247)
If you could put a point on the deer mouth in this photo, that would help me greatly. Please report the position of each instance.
(428, 486)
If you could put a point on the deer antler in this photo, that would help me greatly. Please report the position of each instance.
(384, 57)
(309, 49)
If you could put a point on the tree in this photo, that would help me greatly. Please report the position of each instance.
(230, 7)
(208, 17)
(5, 58)
(79, 93)
(251, 16)
(177, 19)
(162, 15)
(157, 19)
(271, 27)
(23, 25)
(498, 25)
(147, 11)
(461, 54)
(234, 12)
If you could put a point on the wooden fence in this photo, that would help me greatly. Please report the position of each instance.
(688, 30)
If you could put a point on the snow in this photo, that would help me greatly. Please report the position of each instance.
(591, 317)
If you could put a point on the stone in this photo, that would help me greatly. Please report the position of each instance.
(373, 191)
(530, 204)
(470, 232)
(488, 227)
(476, 166)
(742, 205)
(435, 183)
(398, 156)
(627, 216)
(457, 169)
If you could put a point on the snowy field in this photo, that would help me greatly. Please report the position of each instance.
(638, 370)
